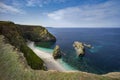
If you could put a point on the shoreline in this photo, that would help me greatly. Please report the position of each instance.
(54, 65)
(48, 59)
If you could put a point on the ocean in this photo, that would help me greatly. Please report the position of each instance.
(103, 58)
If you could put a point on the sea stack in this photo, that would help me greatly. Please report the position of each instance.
(79, 47)
(57, 52)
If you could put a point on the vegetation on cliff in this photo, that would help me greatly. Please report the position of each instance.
(36, 33)
(14, 63)
(15, 36)
(13, 67)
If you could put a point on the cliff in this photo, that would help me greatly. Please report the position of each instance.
(36, 33)
(16, 35)
(13, 67)
(15, 57)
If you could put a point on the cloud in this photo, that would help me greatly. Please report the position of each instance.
(40, 3)
(4, 8)
(102, 14)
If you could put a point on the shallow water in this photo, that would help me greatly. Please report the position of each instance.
(64, 64)
(103, 58)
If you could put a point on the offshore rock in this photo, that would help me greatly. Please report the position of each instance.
(88, 45)
(79, 47)
(57, 52)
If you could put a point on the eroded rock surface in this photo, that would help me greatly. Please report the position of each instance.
(79, 47)
(57, 52)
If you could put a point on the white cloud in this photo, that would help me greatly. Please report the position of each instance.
(9, 9)
(40, 3)
(103, 14)
(30, 2)
(57, 15)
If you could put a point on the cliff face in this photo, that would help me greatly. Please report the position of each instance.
(13, 67)
(16, 35)
(12, 63)
(36, 33)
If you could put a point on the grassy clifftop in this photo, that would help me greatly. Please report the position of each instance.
(17, 35)
(13, 67)
(16, 59)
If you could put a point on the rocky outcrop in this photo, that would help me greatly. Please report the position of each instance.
(36, 33)
(79, 47)
(16, 35)
(88, 45)
(13, 67)
(57, 52)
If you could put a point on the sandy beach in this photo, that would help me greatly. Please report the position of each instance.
(50, 62)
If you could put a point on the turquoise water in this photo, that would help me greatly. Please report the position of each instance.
(65, 65)
(103, 58)
(50, 51)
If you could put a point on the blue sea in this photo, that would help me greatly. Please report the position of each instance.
(103, 58)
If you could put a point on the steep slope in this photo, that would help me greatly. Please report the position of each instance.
(13, 67)
(36, 33)
(16, 59)
(14, 37)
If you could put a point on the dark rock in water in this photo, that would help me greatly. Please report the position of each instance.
(57, 52)
(79, 47)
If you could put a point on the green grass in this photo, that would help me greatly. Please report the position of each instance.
(13, 66)
(15, 38)
(32, 59)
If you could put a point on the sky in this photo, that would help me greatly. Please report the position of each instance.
(62, 13)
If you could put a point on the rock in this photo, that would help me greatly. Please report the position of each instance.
(14, 36)
(36, 33)
(79, 47)
(88, 45)
(57, 52)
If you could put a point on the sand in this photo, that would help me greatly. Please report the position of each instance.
(48, 59)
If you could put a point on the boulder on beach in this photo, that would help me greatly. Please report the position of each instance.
(79, 47)
(57, 52)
